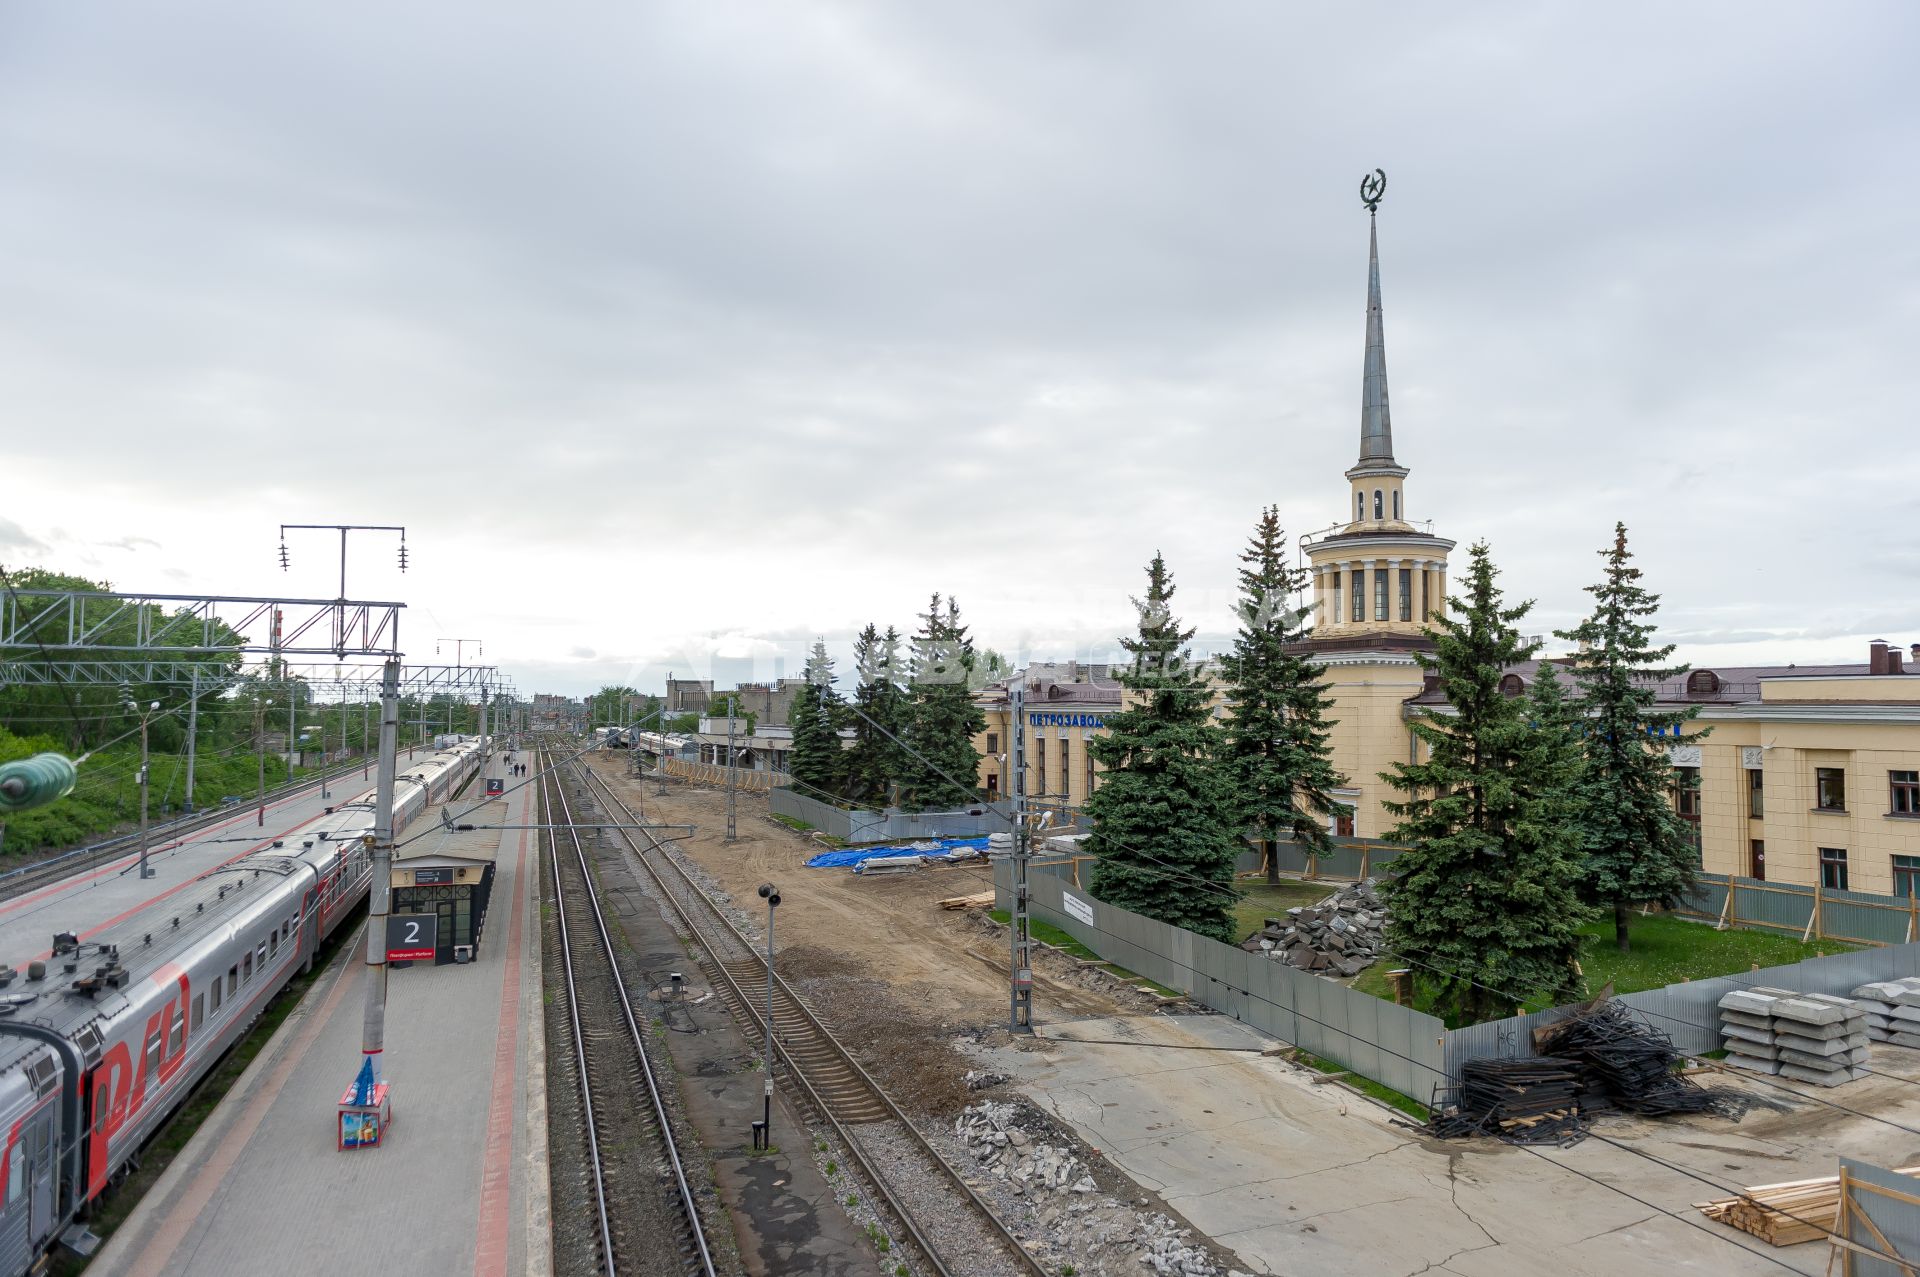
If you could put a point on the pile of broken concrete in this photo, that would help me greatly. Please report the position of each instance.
(990, 1131)
(1340, 936)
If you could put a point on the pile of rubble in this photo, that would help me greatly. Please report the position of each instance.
(1342, 935)
(1004, 1150)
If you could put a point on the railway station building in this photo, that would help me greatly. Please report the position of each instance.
(1807, 774)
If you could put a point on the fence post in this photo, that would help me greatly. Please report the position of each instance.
(1911, 900)
(1366, 856)
(1076, 871)
(1813, 920)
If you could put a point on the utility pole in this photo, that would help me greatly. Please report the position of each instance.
(193, 736)
(1020, 923)
(365, 705)
(733, 704)
(260, 746)
(374, 1024)
(144, 778)
(293, 710)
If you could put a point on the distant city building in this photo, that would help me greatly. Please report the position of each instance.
(689, 695)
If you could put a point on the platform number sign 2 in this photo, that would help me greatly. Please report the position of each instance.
(412, 937)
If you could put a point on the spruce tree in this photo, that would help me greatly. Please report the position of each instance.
(1485, 901)
(875, 763)
(1638, 848)
(1277, 759)
(817, 763)
(1162, 837)
(942, 719)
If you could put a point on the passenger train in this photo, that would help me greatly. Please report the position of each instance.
(106, 1033)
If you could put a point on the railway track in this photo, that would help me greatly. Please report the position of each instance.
(645, 1214)
(870, 1125)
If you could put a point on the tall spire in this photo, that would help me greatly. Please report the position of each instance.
(1376, 424)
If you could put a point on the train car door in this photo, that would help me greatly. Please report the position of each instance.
(40, 1143)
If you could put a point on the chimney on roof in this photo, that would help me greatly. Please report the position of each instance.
(1877, 657)
(1893, 661)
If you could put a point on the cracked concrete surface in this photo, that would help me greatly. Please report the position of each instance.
(1312, 1181)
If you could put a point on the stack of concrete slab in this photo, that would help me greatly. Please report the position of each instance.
(1809, 1037)
(1893, 1010)
(1746, 1029)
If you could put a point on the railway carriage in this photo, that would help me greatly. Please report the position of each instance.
(104, 1035)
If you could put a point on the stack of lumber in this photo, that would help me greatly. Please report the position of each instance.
(1809, 1037)
(1893, 1010)
(978, 900)
(1800, 1210)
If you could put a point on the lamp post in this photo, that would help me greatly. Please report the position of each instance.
(145, 718)
(770, 894)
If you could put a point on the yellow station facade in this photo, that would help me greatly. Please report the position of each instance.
(1806, 774)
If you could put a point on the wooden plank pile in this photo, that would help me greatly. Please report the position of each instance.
(978, 900)
(1801, 1210)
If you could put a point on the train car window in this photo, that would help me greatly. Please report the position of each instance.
(153, 1053)
(260, 954)
(16, 1172)
(200, 1008)
(246, 967)
(176, 1030)
(273, 943)
(233, 980)
(216, 995)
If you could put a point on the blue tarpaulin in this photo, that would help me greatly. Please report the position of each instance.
(854, 855)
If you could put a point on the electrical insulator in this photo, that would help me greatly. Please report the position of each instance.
(403, 556)
(283, 556)
(36, 781)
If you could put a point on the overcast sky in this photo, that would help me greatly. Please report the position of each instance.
(684, 332)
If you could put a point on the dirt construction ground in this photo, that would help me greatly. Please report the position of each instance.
(1285, 1175)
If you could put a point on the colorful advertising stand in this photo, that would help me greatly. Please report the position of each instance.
(365, 1111)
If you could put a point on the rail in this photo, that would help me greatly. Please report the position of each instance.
(795, 1068)
(701, 1261)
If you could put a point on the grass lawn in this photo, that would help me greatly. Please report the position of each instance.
(1262, 902)
(1666, 950)
(1047, 933)
(1366, 1085)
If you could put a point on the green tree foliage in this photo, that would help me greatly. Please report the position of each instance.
(1162, 835)
(609, 705)
(1277, 758)
(1485, 901)
(1638, 848)
(817, 762)
(875, 762)
(942, 720)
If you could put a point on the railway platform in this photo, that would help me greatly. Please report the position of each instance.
(459, 1183)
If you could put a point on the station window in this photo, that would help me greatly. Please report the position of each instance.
(993, 742)
(1833, 868)
(1757, 860)
(1406, 594)
(1066, 776)
(1379, 511)
(1906, 875)
(1905, 793)
(1359, 506)
(1379, 594)
(1396, 503)
(1686, 792)
(1359, 594)
(1830, 788)
(1756, 794)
